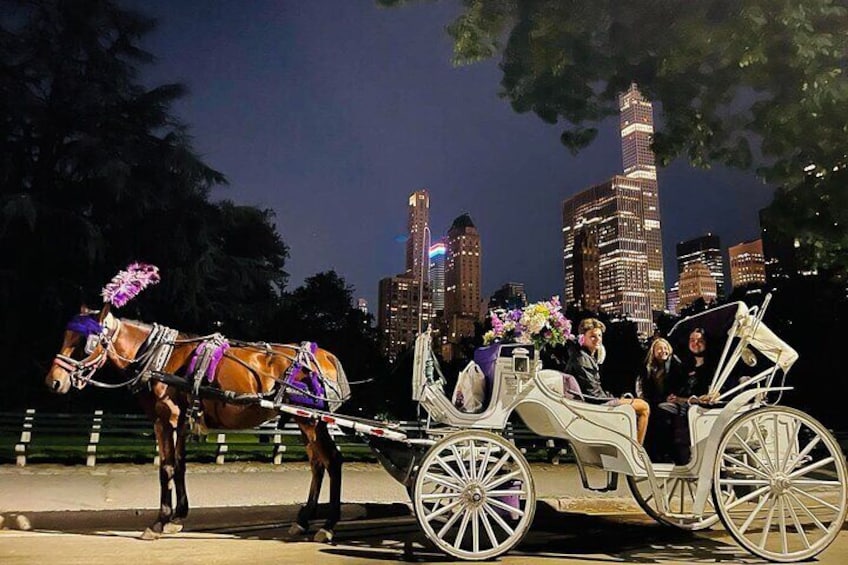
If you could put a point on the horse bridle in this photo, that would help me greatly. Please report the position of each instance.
(80, 372)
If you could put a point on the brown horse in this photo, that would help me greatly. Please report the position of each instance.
(174, 384)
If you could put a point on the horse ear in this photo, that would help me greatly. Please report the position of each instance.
(84, 310)
(104, 311)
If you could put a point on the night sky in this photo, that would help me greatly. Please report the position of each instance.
(330, 112)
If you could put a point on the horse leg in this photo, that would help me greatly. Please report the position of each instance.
(308, 511)
(181, 508)
(332, 459)
(165, 439)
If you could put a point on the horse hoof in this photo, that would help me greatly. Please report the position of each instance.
(150, 535)
(324, 536)
(296, 530)
(172, 528)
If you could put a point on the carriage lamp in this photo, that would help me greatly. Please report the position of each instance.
(521, 362)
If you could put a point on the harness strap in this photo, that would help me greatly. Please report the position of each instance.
(203, 363)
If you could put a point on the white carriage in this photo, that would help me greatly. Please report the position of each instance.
(773, 475)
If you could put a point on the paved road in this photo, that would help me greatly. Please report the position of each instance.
(242, 512)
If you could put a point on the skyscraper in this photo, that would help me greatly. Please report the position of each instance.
(605, 259)
(404, 306)
(438, 252)
(707, 250)
(747, 263)
(508, 297)
(696, 282)
(462, 279)
(636, 117)
(418, 222)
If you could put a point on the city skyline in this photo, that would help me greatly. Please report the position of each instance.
(358, 123)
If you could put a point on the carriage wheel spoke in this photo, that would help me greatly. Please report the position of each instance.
(444, 509)
(747, 467)
(764, 446)
(760, 504)
(746, 482)
(813, 467)
(496, 482)
(750, 451)
(767, 526)
(444, 465)
(504, 506)
(504, 526)
(506, 492)
(449, 524)
(459, 463)
(782, 525)
(481, 472)
(796, 427)
(748, 497)
(807, 511)
(494, 470)
(440, 495)
(475, 530)
(472, 460)
(444, 481)
(487, 525)
(796, 522)
(804, 452)
(794, 488)
(466, 516)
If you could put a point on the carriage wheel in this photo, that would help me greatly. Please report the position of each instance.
(474, 495)
(789, 476)
(680, 495)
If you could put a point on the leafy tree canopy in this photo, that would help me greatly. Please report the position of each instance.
(741, 82)
(96, 172)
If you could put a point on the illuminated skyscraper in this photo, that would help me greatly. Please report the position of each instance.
(637, 128)
(417, 222)
(696, 282)
(707, 250)
(747, 263)
(605, 260)
(438, 252)
(462, 279)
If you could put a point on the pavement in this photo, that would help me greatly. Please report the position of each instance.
(126, 496)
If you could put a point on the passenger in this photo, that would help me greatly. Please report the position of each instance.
(662, 368)
(584, 365)
(690, 386)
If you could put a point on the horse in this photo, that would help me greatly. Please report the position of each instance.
(180, 379)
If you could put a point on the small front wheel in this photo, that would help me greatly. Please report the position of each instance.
(474, 496)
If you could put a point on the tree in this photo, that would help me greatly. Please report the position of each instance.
(739, 82)
(96, 172)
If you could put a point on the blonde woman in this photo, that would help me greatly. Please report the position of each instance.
(660, 375)
(585, 366)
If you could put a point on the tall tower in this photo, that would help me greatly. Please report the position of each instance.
(438, 252)
(696, 282)
(637, 128)
(462, 278)
(605, 261)
(417, 223)
(707, 250)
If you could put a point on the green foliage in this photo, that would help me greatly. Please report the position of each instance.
(740, 82)
(96, 172)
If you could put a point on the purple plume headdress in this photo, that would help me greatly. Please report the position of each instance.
(128, 283)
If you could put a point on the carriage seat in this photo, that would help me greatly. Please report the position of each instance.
(475, 383)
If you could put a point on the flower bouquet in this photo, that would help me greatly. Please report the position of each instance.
(540, 323)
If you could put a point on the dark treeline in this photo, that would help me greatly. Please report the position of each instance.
(96, 172)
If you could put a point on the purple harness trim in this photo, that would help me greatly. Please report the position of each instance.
(85, 325)
(217, 354)
(311, 385)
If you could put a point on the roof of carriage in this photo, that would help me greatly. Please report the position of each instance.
(718, 323)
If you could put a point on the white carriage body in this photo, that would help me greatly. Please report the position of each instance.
(741, 442)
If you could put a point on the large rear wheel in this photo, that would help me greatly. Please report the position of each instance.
(474, 496)
(789, 476)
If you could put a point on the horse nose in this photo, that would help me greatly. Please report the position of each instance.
(56, 385)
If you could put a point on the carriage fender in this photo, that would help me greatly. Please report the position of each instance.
(728, 413)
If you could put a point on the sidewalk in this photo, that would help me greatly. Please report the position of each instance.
(129, 494)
